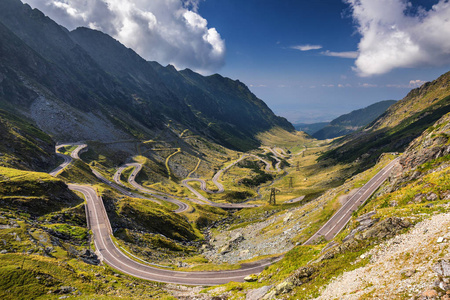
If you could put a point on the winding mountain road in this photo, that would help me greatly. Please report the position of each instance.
(182, 207)
(67, 159)
(201, 199)
(110, 254)
(220, 188)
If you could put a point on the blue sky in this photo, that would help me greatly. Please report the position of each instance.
(303, 85)
(309, 61)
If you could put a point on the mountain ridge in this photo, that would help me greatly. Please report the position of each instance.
(85, 79)
(353, 121)
(397, 127)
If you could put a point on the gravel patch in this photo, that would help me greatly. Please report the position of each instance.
(62, 121)
(398, 268)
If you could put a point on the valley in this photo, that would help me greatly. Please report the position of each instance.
(122, 178)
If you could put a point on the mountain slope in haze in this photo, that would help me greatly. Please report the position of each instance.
(353, 121)
(310, 128)
(87, 83)
(397, 127)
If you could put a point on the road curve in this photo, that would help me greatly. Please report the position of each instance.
(220, 188)
(76, 155)
(99, 224)
(111, 255)
(182, 207)
(58, 169)
(67, 159)
(338, 221)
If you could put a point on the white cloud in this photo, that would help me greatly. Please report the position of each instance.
(367, 85)
(395, 37)
(416, 83)
(412, 84)
(344, 85)
(167, 31)
(306, 47)
(347, 54)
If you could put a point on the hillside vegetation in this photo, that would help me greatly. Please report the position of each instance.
(395, 129)
(84, 87)
(34, 193)
(23, 145)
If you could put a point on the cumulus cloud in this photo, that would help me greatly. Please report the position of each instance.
(306, 47)
(346, 54)
(367, 85)
(344, 85)
(412, 84)
(397, 35)
(167, 31)
(416, 83)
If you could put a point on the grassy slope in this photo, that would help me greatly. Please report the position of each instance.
(329, 269)
(394, 130)
(23, 145)
(33, 192)
(39, 277)
(394, 199)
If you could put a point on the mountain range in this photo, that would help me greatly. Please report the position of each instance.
(352, 121)
(84, 85)
(397, 127)
(346, 123)
(161, 176)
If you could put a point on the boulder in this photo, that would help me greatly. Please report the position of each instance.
(236, 239)
(418, 198)
(231, 243)
(284, 287)
(89, 257)
(365, 221)
(251, 278)
(257, 294)
(287, 218)
(385, 229)
(225, 249)
(432, 197)
(442, 268)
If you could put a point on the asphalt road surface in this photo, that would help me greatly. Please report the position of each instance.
(67, 159)
(58, 169)
(182, 207)
(220, 187)
(338, 221)
(111, 255)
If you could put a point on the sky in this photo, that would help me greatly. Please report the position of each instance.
(310, 61)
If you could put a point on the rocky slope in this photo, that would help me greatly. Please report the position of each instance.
(415, 264)
(397, 250)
